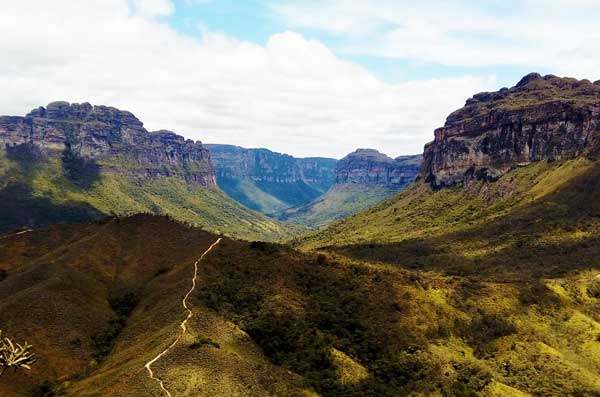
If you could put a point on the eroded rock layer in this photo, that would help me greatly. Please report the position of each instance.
(114, 138)
(541, 118)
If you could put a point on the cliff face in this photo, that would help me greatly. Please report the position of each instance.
(113, 138)
(362, 179)
(270, 182)
(368, 166)
(541, 118)
(267, 166)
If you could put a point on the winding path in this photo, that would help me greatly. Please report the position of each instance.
(183, 325)
(16, 234)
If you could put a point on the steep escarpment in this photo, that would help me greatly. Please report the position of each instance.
(102, 134)
(76, 162)
(369, 167)
(270, 182)
(363, 178)
(541, 118)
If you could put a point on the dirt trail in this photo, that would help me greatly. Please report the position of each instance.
(16, 234)
(183, 325)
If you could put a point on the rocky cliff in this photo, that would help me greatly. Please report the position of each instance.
(114, 139)
(267, 166)
(268, 181)
(363, 179)
(369, 167)
(541, 118)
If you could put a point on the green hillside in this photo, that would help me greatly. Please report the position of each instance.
(524, 221)
(268, 198)
(516, 259)
(341, 201)
(270, 182)
(38, 190)
(271, 321)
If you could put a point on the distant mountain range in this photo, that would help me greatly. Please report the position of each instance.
(362, 179)
(312, 192)
(75, 162)
(270, 182)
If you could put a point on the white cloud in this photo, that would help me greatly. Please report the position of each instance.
(523, 33)
(291, 95)
(153, 8)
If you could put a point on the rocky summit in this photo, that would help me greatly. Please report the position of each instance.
(541, 118)
(368, 166)
(67, 163)
(102, 134)
(363, 178)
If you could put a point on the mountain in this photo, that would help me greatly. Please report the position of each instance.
(466, 285)
(73, 162)
(362, 179)
(541, 118)
(98, 301)
(507, 207)
(270, 182)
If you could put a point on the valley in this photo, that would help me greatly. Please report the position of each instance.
(478, 279)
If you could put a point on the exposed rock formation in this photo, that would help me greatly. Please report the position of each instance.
(541, 118)
(113, 138)
(368, 166)
(363, 179)
(267, 166)
(270, 182)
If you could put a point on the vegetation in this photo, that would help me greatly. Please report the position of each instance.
(338, 203)
(204, 341)
(489, 289)
(70, 189)
(14, 355)
(122, 306)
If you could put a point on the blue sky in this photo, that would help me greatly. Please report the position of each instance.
(304, 77)
(256, 21)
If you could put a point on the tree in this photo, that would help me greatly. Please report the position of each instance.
(14, 355)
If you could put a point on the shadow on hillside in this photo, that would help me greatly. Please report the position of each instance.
(83, 172)
(298, 308)
(554, 236)
(22, 208)
(26, 155)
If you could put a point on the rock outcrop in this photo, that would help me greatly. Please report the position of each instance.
(369, 167)
(115, 139)
(270, 182)
(266, 166)
(541, 118)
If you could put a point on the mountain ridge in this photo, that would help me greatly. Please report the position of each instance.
(76, 162)
(540, 118)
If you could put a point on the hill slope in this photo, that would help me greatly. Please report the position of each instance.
(363, 179)
(270, 182)
(98, 301)
(78, 162)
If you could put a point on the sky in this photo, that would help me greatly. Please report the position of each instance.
(308, 78)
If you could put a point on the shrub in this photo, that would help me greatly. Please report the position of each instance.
(204, 341)
(103, 341)
(594, 288)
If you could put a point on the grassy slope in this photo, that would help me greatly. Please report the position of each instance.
(339, 202)
(58, 293)
(246, 192)
(270, 198)
(343, 327)
(524, 254)
(41, 194)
